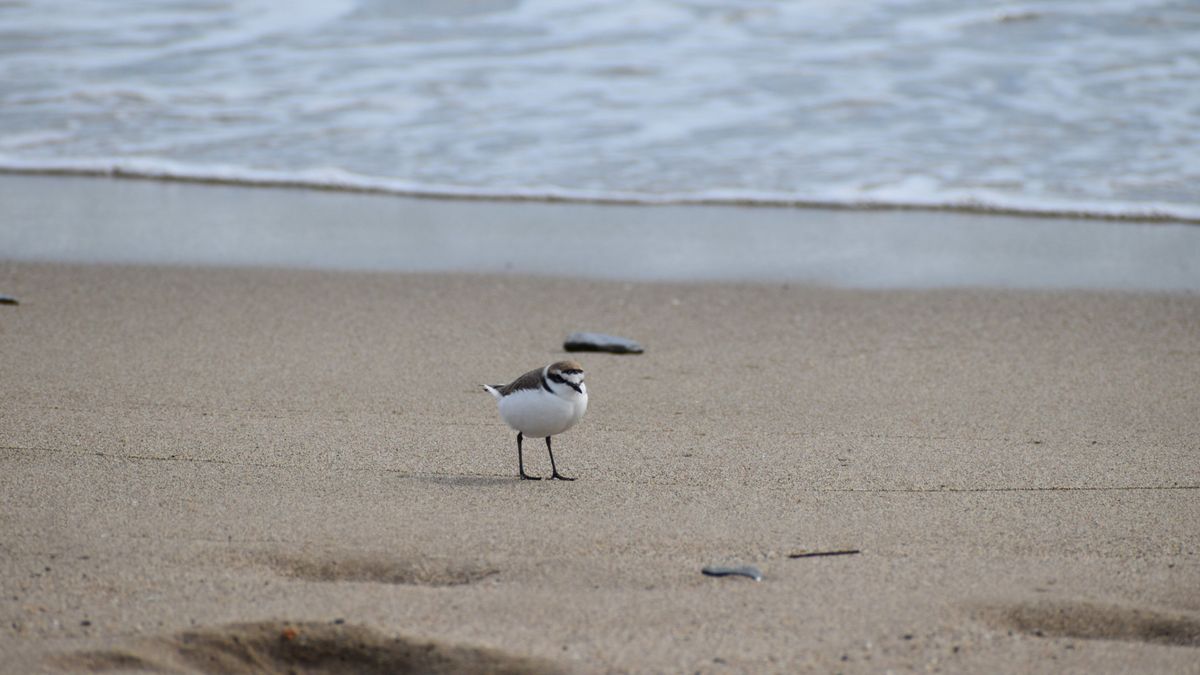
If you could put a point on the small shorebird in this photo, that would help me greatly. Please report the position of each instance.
(542, 403)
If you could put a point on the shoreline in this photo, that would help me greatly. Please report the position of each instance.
(180, 223)
(373, 186)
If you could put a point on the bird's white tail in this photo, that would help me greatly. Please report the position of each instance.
(492, 390)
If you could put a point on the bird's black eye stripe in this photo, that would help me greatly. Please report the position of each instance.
(555, 377)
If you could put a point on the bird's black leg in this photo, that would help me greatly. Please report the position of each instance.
(555, 474)
(521, 461)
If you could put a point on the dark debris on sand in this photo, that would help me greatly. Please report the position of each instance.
(300, 647)
(600, 342)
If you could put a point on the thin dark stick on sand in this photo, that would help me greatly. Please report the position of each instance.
(817, 554)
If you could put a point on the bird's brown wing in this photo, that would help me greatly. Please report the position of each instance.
(530, 380)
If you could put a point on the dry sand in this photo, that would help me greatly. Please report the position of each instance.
(238, 459)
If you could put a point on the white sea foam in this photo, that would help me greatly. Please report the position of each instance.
(1087, 108)
(915, 194)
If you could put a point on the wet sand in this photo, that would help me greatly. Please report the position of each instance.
(218, 450)
(119, 221)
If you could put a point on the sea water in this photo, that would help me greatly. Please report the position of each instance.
(1088, 107)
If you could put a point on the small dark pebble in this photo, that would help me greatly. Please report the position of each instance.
(8, 300)
(85, 622)
(743, 571)
(339, 622)
(599, 342)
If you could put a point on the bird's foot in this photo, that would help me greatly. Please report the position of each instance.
(559, 476)
(525, 476)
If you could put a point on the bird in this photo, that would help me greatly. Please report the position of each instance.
(542, 403)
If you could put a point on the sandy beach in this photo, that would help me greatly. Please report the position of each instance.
(918, 285)
(208, 468)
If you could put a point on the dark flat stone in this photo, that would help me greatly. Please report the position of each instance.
(599, 342)
(743, 571)
(8, 300)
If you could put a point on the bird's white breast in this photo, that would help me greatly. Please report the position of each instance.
(538, 413)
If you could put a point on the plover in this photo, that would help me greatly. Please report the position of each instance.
(542, 403)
